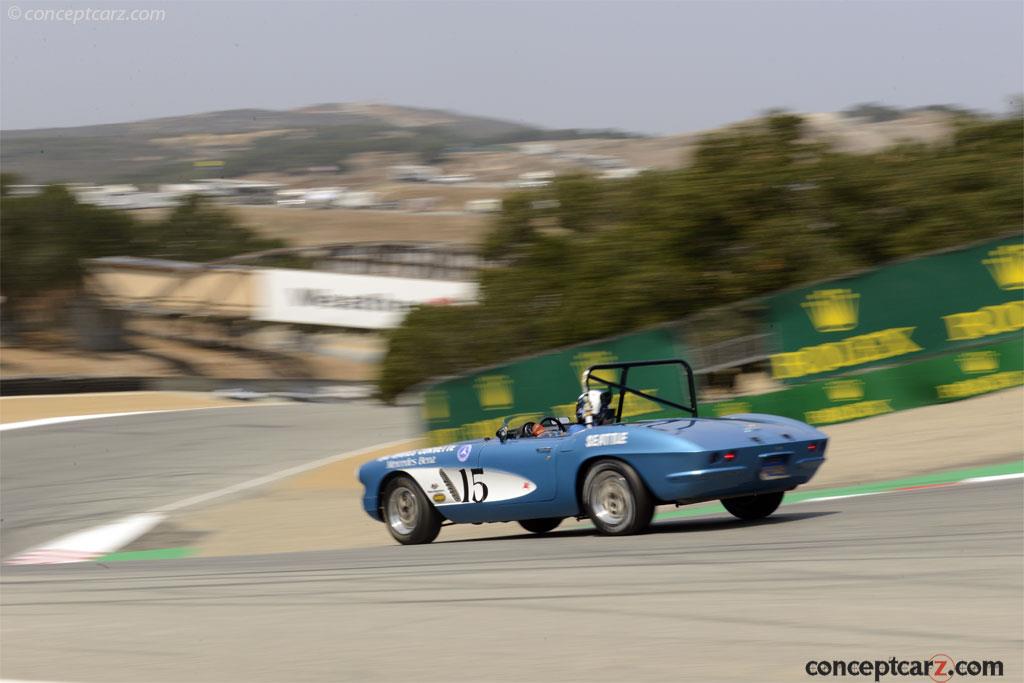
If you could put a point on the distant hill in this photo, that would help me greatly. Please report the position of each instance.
(252, 141)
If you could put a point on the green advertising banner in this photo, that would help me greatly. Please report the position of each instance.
(934, 380)
(473, 406)
(894, 314)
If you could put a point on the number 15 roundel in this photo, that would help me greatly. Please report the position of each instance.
(454, 486)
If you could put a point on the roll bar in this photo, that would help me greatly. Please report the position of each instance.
(624, 388)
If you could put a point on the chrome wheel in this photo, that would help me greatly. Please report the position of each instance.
(616, 499)
(611, 500)
(402, 509)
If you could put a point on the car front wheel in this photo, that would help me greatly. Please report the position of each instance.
(410, 517)
(753, 507)
(616, 499)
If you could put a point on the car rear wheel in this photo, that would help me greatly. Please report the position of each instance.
(540, 526)
(753, 507)
(616, 499)
(410, 517)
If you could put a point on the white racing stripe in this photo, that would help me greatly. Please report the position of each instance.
(98, 541)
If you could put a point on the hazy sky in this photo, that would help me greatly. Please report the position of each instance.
(650, 67)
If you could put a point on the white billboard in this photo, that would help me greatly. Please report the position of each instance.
(342, 300)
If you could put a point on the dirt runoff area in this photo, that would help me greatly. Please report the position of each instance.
(320, 509)
(22, 408)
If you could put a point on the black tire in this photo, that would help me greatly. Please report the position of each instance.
(540, 526)
(616, 499)
(758, 506)
(410, 517)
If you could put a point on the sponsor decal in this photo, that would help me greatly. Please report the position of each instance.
(436, 450)
(401, 462)
(464, 453)
(832, 310)
(494, 391)
(607, 439)
(423, 456)
(410, 461)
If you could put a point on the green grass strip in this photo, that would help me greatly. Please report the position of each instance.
(156, 554)
(947, 477)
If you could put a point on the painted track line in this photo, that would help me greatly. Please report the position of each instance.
(47, 421)
(275, 476)
(95, 542)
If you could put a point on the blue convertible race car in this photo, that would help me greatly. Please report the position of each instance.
(599, 467)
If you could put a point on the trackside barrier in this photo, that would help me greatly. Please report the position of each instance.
(936, 328)
(950, 377)
(899, 313)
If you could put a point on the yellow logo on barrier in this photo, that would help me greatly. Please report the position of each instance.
(731, 408)
(844, 390)
(582, 361)
(832, 310)
(985, 322)
(1006, 263)
(494, 391)
(844, 353)
(974, 362)
(435, 405)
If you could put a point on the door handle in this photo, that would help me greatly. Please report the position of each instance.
(544, 449)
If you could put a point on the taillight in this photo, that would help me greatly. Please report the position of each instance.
(729, 456)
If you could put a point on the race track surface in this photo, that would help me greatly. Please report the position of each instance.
(68, 477)
(904, 575)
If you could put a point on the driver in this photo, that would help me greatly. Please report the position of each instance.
(594, 408)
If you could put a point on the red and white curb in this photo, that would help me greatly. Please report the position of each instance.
(89, 544)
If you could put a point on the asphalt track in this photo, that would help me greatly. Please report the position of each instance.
(906, 575)
(67, 477)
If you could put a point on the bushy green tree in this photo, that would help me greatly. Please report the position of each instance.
(759, 210)
(44, 239)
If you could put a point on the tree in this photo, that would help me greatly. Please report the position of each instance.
(761, 209)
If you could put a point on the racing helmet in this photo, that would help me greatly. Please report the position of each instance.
(594, 407)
